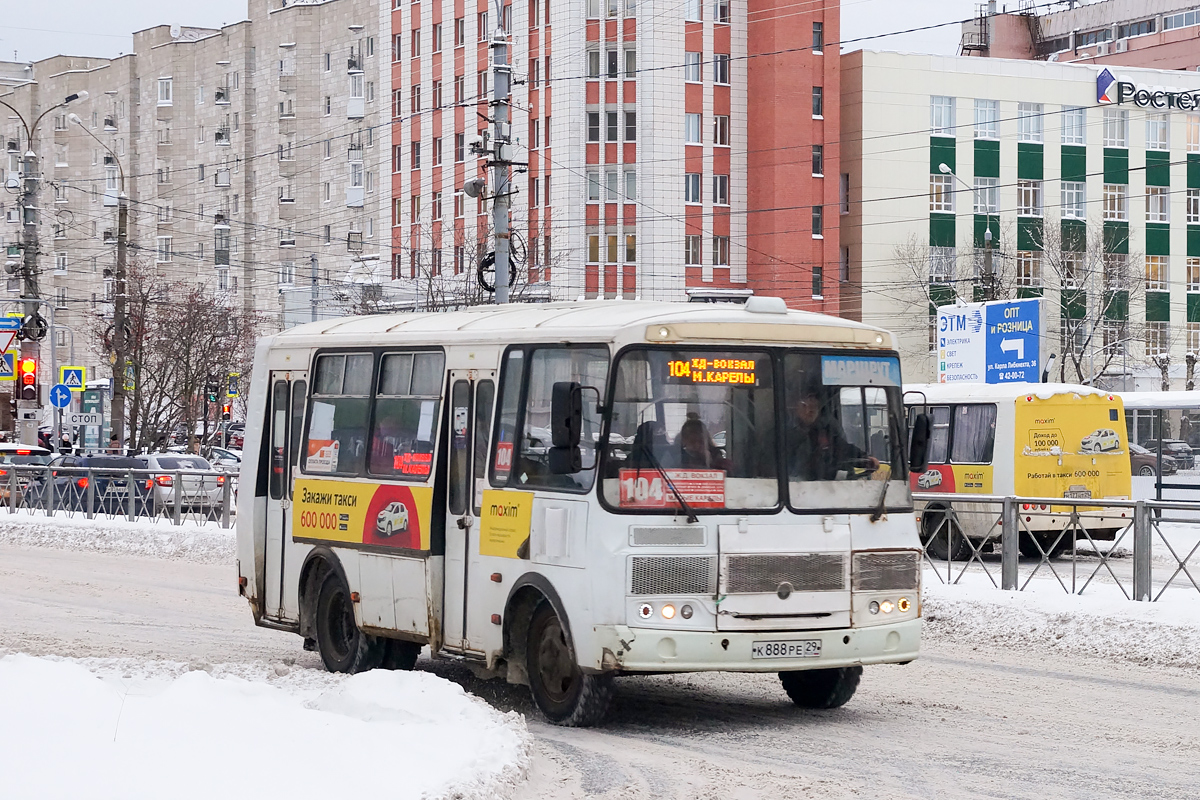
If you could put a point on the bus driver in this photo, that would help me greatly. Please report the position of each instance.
(819, 450)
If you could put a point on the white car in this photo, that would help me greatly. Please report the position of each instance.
(393, 519)
(1100, 440)
(930, 479)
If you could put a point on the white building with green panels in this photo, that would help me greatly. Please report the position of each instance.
(1092, 202)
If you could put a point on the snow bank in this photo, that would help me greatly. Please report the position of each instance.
(69, 732)
(1100, 623)
(191, 541)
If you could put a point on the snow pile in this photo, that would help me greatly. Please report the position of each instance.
(71, 733)
(191, 541)
(1101, 623)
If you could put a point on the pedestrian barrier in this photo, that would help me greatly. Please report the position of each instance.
(173, 496)
(1079, 542)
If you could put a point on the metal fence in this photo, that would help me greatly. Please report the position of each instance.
(1078, 543)
(168, 496)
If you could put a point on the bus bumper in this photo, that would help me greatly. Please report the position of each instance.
(658, 650)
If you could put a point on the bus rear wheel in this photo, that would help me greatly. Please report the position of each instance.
(821, 688)
(343, 647)
(562, 691)
(942, 538)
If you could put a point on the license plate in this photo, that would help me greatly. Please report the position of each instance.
(1078, 494)
(792, 648)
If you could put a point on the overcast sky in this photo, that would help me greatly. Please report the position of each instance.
(36, 30)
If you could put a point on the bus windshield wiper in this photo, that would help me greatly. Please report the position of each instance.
(654, 462)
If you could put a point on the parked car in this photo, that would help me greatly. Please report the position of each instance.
(225, 459)
(1145, 462)
(201, 487)
(231, 435)
(109, 478)
(1176, 448)
(20, 455)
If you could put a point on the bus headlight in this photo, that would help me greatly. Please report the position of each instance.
(874, 607)
(903, 604)
(886, 606)
(686, 612)
(668, 611)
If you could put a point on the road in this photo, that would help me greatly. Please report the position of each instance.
(958, 723)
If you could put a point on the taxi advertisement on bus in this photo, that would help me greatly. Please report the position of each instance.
(1071, 446)
(383, 515)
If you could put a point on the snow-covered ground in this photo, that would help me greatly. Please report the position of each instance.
(113, 729)
(204, 543)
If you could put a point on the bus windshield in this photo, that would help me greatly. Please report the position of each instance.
(704, 425)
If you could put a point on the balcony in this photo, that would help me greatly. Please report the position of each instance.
(223, 137)
(356, 107)
(221, 179)
(355, 153)
(354, 196)
(354, 241)
(354, 64)
(109, 237)
(221, 96)
(110, 125)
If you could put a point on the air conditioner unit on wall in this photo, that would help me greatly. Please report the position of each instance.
(1122, 45)
(1102, 48)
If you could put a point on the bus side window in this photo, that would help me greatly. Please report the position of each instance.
(974, 434)
(337, 424)
(587, 366)
(506, 417)
(406, 415)
(939, 433)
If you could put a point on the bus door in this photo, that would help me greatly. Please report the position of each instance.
(472, 396)
(285, 418)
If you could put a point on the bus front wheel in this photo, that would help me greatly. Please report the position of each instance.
(562, 691)
(343, 647)
(821, 688)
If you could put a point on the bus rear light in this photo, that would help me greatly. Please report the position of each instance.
(24, 452)
(220, 480)
(3, 472)
(495, 619)
(1025, 506)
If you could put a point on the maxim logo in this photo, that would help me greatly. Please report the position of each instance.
(1111, 91)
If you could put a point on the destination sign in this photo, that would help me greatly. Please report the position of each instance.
(731, 371)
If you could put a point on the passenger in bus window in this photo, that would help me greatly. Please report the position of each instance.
(819, 449)
(383, 445)
(696, 447)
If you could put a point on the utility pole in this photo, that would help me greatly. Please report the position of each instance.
(313, 261)
(502, 152)
(33, 326)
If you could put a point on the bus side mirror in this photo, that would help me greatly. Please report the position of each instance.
(566, 426)
(918, 444)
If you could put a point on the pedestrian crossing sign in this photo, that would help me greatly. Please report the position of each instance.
(71, 377)
(8, 366)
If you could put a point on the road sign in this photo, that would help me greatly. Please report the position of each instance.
(231, 388)
(8, 366)
(994, 342)
(9, 326)
(85, 418)
(71, 377)
(60, 396)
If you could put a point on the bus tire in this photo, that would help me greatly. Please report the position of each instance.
(821, 688)
(343, 647)
(1027, 547)
(942, 538)
(399, 654)
(562, 692)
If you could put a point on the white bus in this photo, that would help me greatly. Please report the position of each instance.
(562, 493)
(1041, 440)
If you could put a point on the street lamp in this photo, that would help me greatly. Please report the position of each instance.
(120, 346)
(33, 326)
(989, 277)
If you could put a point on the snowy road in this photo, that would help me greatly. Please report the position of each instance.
(958, 723)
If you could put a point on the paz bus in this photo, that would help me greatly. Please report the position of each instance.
(1040, 440)
(563, 493)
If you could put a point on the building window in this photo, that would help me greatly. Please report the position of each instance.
(1157, 338)
(720, 190)
(987, 195)
(1140, 28)
(1072, 269)
(721, 130)
(691, 128)
(721, 68)
(1115, 335)
(1193, 274)
(163, 253)
(1116, 271)
(1074, 200)
(593, 126)
(631, 126)
(818, 102)
(164, 91)
(460, 205)
(1156, 273)
(1157, 204)
(1029, 268)
(1116, 127)
(60, 262)
(1029, 122)
(818, 282)
(987, 119)
(691, 187)
(691, 67)
(941, 264)
(1193, 133)
(287, 272)
(460, 147)
(691, 250)
(415, 150)
(1193, 337)
(844, 265)
(818, 222)
(612, 126)
(1158, 132)
(612, 71)
(818, 40)
(1074, 125)
(941, 116)
(460, 31)
(818, 161)
(593, 63)
(612, 185)
(692, 11)
(844, 193)
(1193, 206)
(720, 251)
(1116, 202)
(1029, 198)
(941, 193)
(593, 186)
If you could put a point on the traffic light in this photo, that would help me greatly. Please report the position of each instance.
(210, 391)
(28, 373)
(226, 410)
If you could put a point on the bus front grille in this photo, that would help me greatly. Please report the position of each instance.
(673, 575)
(883, 572)
(809, 572)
